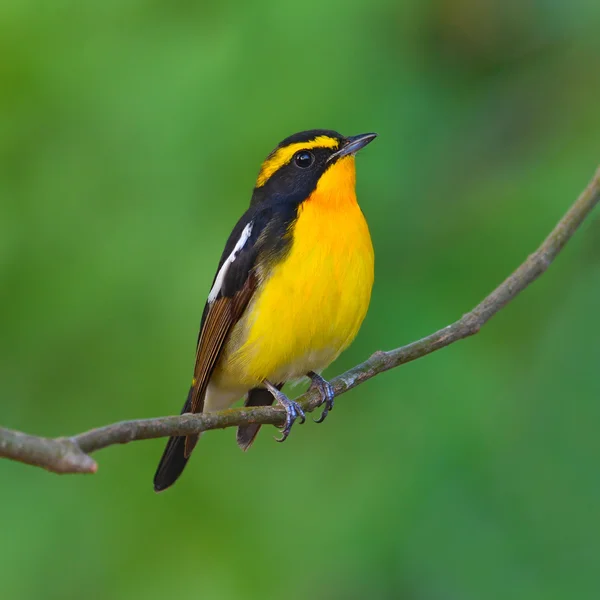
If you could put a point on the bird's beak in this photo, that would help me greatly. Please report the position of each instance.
(352, 145)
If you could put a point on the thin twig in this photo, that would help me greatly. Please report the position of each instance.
(71, 455)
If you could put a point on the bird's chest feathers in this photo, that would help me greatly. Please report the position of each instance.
(313, 301)
(330, 259)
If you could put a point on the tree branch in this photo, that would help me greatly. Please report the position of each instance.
(71, 455)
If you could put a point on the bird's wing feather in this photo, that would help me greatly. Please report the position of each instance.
(262, 234)
(221, 315)
(262, 230)
(232, 289)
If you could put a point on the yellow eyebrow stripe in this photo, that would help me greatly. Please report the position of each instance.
(282, 156)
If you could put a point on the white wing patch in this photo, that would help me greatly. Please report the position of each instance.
(216, 288)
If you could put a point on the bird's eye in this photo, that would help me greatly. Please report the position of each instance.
(304, 159)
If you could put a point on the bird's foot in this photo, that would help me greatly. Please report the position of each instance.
(292, 409)
(326, 391)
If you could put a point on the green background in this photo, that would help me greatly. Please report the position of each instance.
(130, 136)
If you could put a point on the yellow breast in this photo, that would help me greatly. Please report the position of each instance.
(311, 305)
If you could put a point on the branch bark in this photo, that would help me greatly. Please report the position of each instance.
(71, 455)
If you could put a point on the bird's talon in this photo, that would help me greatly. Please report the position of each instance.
(285, 430)
(292, 409)
(327, 394)
(283, 436)
(322, 417)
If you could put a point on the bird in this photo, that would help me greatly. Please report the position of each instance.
(291, 290)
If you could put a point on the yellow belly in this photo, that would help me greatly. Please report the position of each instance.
(310, 306)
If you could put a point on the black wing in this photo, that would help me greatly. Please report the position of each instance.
(233, 287)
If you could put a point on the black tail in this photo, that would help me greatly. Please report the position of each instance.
(256, 397)
(174, 457)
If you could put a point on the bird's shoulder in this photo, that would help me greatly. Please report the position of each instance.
(263, 231)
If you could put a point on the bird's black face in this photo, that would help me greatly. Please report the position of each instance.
(291, 172)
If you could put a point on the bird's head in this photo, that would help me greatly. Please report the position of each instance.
(319, 159)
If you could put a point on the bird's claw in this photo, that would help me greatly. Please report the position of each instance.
(327, 394)
(293, 411)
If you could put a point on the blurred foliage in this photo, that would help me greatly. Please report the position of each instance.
(130, 135)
